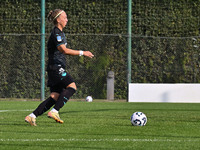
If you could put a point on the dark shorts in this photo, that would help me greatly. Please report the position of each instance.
(58, 79)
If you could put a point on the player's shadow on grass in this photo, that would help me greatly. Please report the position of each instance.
(94, 110)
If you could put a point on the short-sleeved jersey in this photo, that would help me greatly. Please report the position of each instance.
(56, 38)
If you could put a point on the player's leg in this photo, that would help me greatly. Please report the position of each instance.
(62, 100)
(44, 106)
(65, 95)
(69, 89)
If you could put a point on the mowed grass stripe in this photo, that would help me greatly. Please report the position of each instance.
(100, 140)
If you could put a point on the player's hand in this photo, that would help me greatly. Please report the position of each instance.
(88, 54)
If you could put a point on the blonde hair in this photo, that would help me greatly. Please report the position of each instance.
(53, 14)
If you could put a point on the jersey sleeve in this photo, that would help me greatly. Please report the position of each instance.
(58, 38)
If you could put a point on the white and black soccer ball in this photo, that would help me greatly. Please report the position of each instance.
(89, 99)
(138, 119)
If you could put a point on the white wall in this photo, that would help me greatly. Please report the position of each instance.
(180, 93)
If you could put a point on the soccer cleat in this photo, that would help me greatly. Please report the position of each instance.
(54, 116)
(30, 120)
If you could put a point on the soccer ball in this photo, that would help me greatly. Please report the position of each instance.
(89, 99)
(138, 119)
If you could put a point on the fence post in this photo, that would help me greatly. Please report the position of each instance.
(129, 19)
(42, 50)
(110, 85)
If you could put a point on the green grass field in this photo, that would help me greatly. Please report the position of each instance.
(101, 125)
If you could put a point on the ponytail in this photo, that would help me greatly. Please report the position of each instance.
(53, 14)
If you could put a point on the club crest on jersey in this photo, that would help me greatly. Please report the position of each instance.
(59, 39)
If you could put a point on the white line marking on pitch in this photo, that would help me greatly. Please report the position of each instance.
(100, 140)
(15, 110)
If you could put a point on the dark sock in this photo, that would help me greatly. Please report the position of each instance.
(64, 97)
(44, 106)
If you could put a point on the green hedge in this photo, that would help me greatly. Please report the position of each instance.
(165, 44)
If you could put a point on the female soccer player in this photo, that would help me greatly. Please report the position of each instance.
(62, 85)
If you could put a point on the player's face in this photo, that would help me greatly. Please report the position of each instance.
(62, 20)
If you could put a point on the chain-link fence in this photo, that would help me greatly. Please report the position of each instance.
(20, 66)
(92, 25)
(165, 44)
(166, 60)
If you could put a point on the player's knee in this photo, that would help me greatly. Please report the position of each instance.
(72, 85)
(55, 95)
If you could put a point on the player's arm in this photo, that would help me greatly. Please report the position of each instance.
(62, 48)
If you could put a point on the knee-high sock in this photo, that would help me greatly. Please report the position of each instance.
(44, 106)
(64, 97)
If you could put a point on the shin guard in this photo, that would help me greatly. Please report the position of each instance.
(44, 106)
(64, 97)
